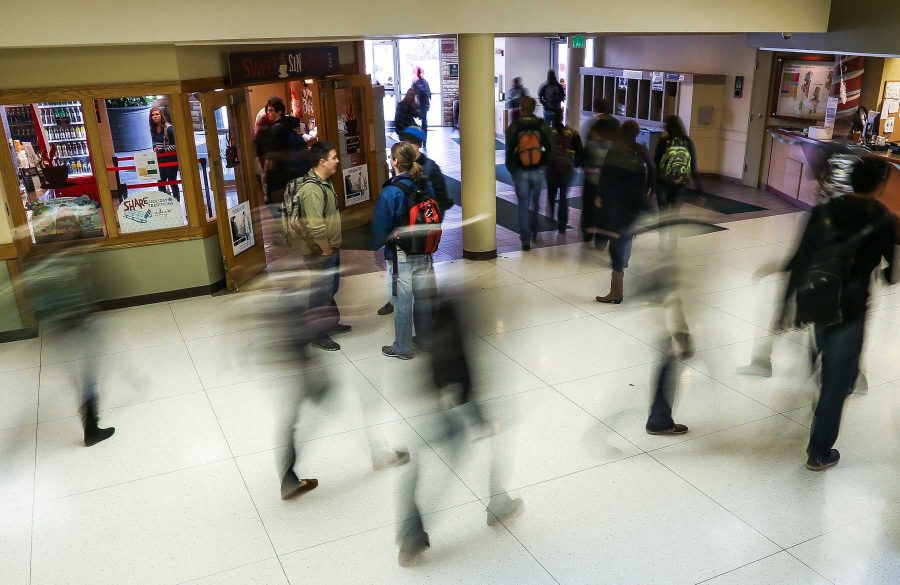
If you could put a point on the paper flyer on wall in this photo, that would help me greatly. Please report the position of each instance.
(356, 184)
(146, 166)
(241, 228)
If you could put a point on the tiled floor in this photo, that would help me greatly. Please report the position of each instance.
(187, 489)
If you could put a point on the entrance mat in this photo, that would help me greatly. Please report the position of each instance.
(497, 144)
(716, 203)
(507, 212)
(357, 238)
(505, 177)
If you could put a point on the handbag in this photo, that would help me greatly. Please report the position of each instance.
(231, 152)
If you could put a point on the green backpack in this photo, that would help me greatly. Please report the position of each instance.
(675, 166)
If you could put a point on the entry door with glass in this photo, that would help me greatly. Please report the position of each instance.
(236, 201)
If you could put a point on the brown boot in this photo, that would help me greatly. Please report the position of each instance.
(616, 288)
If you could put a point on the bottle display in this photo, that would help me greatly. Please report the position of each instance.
(64, 125)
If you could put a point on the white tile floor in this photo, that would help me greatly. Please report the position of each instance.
(187, 492)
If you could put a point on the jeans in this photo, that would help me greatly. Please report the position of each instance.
(558, 185)
(325, 278)
(412, 305)
(170, 174)
(620, 251)
(424, 120)
(660, 418)
(529, 183)
(840, 347)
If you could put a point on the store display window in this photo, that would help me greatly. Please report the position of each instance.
(140, 156)
(54, 168)
(204, 163)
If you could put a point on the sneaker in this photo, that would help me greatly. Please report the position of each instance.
(815, 464)
(388, 350)
(505, 511)
(387, 309)
(326, 343)
(675, 430)
(340, 328)
(758, 367)
(412, 548)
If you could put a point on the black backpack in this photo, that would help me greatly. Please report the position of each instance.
(821, 285)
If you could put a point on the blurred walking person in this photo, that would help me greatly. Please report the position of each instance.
(514, 98)
(676, 160)
(567, 154)
(844, 242)
(528, 149)
(423, 97)
(624, 190)
(600, 138)
(552, 95)
(406, 113)
(452, 380)
(62, 293)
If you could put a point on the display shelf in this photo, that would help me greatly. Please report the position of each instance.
(80, 175)
(67, 140)
(61, 105)
(69, 124)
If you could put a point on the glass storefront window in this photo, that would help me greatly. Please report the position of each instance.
(141, 160)
(53, 164)
(203, 161)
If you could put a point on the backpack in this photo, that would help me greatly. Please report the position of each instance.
(821, 285)
(420, 229)
(292, 214)
(563, 151)
(675, 166)
(528, 147)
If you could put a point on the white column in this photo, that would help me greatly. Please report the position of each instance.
(573, 87)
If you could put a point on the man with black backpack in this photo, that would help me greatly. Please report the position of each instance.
(528, 149)
(830, 274)
(408, 223)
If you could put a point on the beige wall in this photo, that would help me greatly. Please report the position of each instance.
(10, 320)
(5, 220)
(727, 55)
(211, 20)
(891, 72)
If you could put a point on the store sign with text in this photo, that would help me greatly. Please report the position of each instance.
(149, 210)
(285, 64)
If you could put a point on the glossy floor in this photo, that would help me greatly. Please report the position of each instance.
(187, 489)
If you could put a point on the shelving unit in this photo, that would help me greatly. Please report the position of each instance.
(63, 124)
(631, 94)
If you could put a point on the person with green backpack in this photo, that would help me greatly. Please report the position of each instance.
(676, 161)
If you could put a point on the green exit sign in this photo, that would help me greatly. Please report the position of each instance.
(576, 41)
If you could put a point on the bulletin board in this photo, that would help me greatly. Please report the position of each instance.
(890, 111)
(802, 88)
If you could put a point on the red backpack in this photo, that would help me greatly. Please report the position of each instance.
(528, 147)
(420, 230)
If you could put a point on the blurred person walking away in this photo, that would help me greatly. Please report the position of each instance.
(552, 95)
(313, 215)
(407, 222)
(843, 243)
(567, 154)
(600, 138)
(62, 294)
(285, 151)
(676, 160)
(453, 383)
(624, 190)
(436, 180)
(528, 149)
(514, 99)
(423, 97)
(406, 113)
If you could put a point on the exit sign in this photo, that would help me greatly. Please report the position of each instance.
(576, 41)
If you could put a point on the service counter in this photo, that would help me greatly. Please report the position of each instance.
(794, 165)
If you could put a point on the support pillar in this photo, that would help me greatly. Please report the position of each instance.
(476, 137)
(573, 87)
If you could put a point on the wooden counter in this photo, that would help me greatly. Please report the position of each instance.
(796, 159)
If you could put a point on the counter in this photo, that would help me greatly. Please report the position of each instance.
(794, 163)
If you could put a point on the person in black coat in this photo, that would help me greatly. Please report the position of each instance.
(406, 113)
(668, 195)
(423, 97)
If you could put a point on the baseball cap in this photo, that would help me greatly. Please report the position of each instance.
(415, 133)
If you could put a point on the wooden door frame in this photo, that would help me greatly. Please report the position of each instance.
(238, 269)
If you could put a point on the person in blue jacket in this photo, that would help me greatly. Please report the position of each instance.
(413, 274)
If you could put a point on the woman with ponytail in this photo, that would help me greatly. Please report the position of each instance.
(410, 272)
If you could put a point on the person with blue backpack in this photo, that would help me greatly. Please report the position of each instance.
(676, 161)
(408, 223)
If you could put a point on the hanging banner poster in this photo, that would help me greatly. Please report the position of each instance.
(146, 166)
(656, 80)
(149, 210)
(356, 184)
(241, 228)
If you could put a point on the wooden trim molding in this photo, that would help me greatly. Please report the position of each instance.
(8, 252)
(55, 94)
(125, 241)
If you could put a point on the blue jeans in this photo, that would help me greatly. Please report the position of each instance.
(620, 251)
(840, 347)
(529, 183)
(412, 305)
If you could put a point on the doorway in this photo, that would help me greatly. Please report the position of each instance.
(391, 62)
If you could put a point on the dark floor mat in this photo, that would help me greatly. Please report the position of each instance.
(505, 177)
(507, 212)
(357, 238)
(497, 144)
(716, 203)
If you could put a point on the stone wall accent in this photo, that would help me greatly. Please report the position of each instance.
(449, 86)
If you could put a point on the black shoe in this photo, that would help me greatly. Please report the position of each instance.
(340, 328)
(420, 346)
(292, 486)
(93, 434)
(675, 430)
(816, 464)
(387, 309)
(412, 548)
(389, 352)
(526, 247)
(562, 232)
(326, 343)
